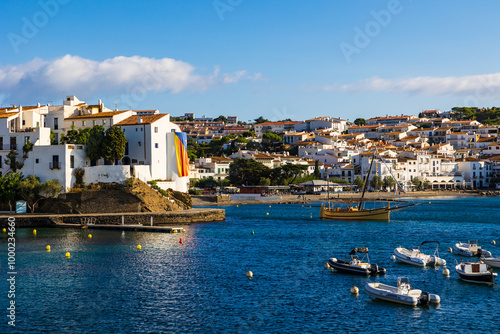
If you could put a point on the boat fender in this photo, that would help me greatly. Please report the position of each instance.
(333, 259)
(424, 298)
(374, 268)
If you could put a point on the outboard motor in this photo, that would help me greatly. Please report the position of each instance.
(424, 298)
(432, 261)
(374, 269)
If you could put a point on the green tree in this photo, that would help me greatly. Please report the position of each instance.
(359, 182)
(27, 148)
(389, 182)
(9, 187)
(53, 140)
(29, 190)
(264, 181)
(221, 118)
(427, 184)
(248, 134)
(114, 144)
(360, 121)
(73, 136)
(12, 162)
(208, 182)
(416, 182)
(95, 143)
(316, 173)
(271, 139)
(247, 172)
(260, 119)
(290, 172)
(376, 182)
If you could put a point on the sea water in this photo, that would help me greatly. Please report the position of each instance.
(200, 285)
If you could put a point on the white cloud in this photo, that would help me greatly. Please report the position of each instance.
(120, 75)
(484, 84)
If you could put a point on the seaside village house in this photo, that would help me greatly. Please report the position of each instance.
(155, 149)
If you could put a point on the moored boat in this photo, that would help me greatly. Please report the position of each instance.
(475, 272)
(415, 257)
(492, 261)
(403, 293)
(470, 249)
(354, 265)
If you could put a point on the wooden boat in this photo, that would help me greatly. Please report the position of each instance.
(470, 249)
(475, 272)
(403, 293)
(417, 258)
(354, 265)
(359, 211)
(492, 261)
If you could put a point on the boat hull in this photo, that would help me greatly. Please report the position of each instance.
(483, 276)
(426, 261)
(382, 214)
(408, 259)
(390, 294)
(492, 261)
(344, 267)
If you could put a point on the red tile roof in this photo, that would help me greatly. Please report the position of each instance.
(146, 119)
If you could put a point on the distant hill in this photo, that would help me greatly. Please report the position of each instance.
(483, 115)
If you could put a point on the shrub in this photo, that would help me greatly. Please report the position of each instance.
(129, 182)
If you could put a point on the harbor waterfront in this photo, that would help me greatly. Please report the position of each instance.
(108, 285)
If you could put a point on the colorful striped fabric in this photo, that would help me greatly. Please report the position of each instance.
(181, 152)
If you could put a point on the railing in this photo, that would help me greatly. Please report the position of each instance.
(54, 165)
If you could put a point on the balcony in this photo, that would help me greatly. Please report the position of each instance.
(8, 147)
(54, 165)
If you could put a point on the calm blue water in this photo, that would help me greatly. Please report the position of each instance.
(107, 286)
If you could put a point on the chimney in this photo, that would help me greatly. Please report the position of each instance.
(38, 104)
(139, 120)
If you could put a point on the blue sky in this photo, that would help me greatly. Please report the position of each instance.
(281, 59)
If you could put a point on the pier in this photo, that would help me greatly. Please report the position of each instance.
(128, 220)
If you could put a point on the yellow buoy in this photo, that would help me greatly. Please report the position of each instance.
(309, 206)
(267, 213)
(446, 272)
(237, 205)
(34, 232)
(4, 230)
(269, 206)
(429, 202)
(139, 247)
(249, 274)
(493, 242)
(68, 254)
(174, 231)
(90, 236)
(311, 216)
(354, 290)
(48, 248)
(450, 249)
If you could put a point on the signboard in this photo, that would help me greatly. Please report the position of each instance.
(21, 207)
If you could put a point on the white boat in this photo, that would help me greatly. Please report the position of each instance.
(492, 261)
(403, 293)
(417, 258)
(470, 249)
(354, 265)
(475, 272)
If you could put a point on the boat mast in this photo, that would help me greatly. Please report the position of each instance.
(366, 180)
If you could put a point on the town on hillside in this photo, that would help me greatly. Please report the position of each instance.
(77, 143)
(433, 150)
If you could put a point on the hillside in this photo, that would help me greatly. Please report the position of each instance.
(116, 198)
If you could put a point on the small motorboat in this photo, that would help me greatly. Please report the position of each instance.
(470, 249)
(417, 258)
(492, 261)
(354, 265)
(475, 272)
(403, 293)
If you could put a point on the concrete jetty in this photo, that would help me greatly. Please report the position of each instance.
(145, 219)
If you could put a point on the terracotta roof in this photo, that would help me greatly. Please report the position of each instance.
(8, 114)
(97, 115)
(277, 123)
(146, 119)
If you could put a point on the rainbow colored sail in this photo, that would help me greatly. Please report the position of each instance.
(181, 152)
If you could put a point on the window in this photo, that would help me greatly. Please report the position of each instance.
(0, 161)
(24, 122)
(103, 122)
(72, 161)
(156, 129)
(126, 148)
(139, 143)
(83, 123)
(94, 122)
(37, 161)
(73, 123)
(156, 145)
(56, 123)
(141, 129)
(136, 130)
